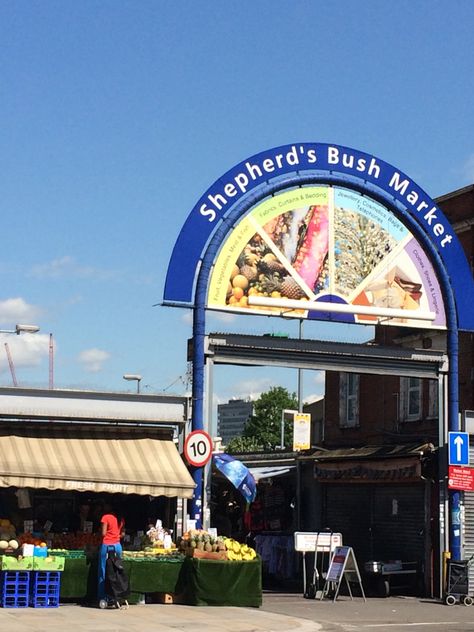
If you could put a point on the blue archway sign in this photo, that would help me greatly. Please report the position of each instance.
(318, 162)
(242, 192)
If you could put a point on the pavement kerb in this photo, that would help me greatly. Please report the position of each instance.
(159, 618)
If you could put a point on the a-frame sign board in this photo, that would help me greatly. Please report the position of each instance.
(343, 566)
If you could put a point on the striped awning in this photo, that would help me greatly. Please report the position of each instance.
(94, 460)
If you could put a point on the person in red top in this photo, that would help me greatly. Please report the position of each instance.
(113, 528)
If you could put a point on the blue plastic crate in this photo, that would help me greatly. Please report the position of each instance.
(14, 589)
(45, 587)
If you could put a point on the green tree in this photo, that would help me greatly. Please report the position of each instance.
(265, 424)
(243, 444)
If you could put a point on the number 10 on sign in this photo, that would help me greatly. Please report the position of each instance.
(198, 448)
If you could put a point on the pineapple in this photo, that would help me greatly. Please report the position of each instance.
(272, 265)
(290, 289)
(249, 271)
(270, 283)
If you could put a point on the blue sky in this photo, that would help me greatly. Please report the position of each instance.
(116, 116)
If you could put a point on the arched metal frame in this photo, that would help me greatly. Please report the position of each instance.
(239, 210)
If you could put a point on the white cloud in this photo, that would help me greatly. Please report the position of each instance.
(319, 378)
(250, 388)
(187, 317)
(68, 267)
(92, 360)
(17, 310)
(26, 350)
(222, 317)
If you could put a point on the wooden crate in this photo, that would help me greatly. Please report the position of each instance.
(205, 555)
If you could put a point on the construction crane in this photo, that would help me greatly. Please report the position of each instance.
(12, 366)
(51, 361)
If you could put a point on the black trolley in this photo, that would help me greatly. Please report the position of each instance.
(117, 585)
(457, 589)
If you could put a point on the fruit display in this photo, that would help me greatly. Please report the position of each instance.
(8, 540)
(200, 543)
(258, 272)
(29, 538)
(68, 554)
(237, 551)
(74, 541)
(153, 555)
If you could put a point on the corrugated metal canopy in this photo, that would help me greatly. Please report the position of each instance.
(243, 349)
(370, 452)
(30, 403)
(92, 459)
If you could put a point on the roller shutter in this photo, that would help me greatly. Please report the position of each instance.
(380, 522)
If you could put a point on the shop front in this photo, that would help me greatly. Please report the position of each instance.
(56, 480)
(380, 500)
(269, 522)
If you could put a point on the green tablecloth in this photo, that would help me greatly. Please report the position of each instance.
(217, 583)
(200, 582)
(79, 578)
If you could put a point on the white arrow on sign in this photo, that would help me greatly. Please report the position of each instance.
(458, 442)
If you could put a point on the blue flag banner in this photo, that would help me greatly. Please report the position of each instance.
(238, 474)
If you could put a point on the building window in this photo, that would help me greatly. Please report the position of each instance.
(410, 398)
(433, 402)
(348, 400)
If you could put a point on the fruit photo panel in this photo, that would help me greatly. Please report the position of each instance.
(325, 244)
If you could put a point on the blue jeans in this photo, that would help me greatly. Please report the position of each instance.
(101, 570)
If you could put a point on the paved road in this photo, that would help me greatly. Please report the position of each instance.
(395, 614)
(281, 612)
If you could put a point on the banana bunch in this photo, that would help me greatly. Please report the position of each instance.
(237, 551)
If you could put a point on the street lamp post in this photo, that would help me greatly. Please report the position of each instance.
(133, 378)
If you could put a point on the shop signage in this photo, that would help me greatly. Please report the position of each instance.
(357, 232)
(301, 431)
(198, 448)
(343, 565)
(461, 478)
(316, 542)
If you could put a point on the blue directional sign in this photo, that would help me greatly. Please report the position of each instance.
(458, 448)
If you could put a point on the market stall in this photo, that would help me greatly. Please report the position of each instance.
(56, 482)
(193, 581)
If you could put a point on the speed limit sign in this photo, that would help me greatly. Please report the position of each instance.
(198, 448)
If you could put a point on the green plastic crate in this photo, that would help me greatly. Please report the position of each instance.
(50, 563)
(10, 563)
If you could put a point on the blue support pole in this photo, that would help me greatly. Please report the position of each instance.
(199, 328)
(453, 420)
